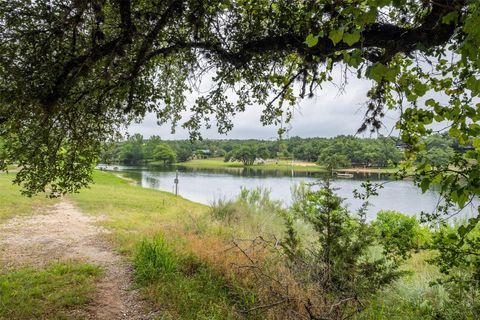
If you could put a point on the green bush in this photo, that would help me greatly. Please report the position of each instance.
(252, 212)
(399, 234)
(338, 265)
(226, 210)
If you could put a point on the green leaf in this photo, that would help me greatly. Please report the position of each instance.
(311, 40)
(336, 35)
(476, 143)
(454, 132)
(351, 38)
(425, 184)
(420, 88)
(379, 71)
(462, 231)
(450, 18)
(370, 16)
(354, 59)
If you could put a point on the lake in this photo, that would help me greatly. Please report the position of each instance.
(207, 185)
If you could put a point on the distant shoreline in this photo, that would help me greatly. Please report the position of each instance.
(284, 165)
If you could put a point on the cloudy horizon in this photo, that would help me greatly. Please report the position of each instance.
(329, 113)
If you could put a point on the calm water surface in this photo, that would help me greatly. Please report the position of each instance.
(207, 185)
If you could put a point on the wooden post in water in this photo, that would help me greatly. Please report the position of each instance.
(176, 183)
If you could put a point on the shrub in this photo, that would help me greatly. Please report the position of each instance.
(338, 268)
(399, 234)
(225, 210)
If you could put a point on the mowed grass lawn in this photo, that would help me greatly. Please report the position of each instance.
(285, 165)
(13, 203)
(49, 293)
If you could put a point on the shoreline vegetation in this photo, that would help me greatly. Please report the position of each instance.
(280, 165)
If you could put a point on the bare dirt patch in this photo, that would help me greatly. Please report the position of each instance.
(65, 233)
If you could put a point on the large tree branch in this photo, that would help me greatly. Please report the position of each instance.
(173, 8)
(379, 43)
(386, 39)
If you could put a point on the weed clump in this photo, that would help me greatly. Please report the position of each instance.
(154, 258)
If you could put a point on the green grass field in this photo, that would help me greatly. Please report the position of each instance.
(49, 293)
(13, 203)
(284, 165)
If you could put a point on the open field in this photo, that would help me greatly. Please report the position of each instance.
(285, 165)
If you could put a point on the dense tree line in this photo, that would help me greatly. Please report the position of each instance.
(341, 151)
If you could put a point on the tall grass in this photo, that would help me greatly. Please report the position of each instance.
(153, 259)
(182, 286)
(252, 213)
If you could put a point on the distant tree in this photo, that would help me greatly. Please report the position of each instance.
(262, 151)
(219, 152)
(165, 153)
(436, 157)
(245, 153)
(438, 151)
(131, 151)
(184, 153)
(150, 145)
(110, 152)
(333, 160)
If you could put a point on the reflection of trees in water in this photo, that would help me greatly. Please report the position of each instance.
(135, 173)
(151, 182)
(255, 172)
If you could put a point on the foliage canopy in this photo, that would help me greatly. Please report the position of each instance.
(72, 72)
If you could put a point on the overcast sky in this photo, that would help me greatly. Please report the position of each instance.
(328, 114)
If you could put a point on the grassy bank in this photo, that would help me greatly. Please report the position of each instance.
(50, 293)
(189, 246)
(169, 240)
(284, 165)
(12, 203)
(183, 260)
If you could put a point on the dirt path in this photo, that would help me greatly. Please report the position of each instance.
(61, 233)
